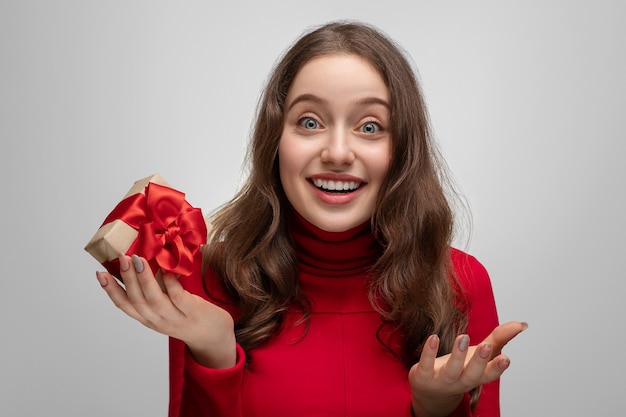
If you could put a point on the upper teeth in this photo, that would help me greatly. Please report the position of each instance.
(336, 185)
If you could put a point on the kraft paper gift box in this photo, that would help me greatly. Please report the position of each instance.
(154, 221)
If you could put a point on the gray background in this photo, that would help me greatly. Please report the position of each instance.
(527, 102)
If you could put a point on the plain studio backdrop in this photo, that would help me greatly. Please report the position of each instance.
(526, 101)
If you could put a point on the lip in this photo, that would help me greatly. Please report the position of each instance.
(336, 177)
(336, 198)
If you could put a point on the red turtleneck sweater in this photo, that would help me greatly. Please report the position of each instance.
(339, 368)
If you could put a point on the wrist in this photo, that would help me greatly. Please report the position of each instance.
(213, 355)
(217, 348)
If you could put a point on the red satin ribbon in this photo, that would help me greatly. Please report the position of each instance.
(171, 231)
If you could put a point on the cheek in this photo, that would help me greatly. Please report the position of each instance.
(294, 156)
(379, 164)
(383, 168)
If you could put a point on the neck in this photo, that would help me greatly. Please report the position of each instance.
(333, 253)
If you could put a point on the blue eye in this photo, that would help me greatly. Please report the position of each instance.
(370, 128)
(309, 123)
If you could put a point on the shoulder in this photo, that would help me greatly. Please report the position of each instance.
(477, 292)
(469, 271)
(472, 276)
(464, 263)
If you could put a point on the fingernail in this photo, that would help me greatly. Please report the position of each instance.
(524, 325)
(102, 279)
(137, 263)
(433, 342)
(504, 363)
(464, 343)
(485, 351)
(124, 265)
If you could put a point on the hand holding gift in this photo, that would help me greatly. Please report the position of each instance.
(154, 229)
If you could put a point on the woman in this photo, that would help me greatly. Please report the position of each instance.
(328, 285)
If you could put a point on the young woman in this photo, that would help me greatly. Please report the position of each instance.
(328, 286)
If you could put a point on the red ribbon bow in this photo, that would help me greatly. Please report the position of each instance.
(171, 231)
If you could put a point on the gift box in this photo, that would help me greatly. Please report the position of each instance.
(154, 221)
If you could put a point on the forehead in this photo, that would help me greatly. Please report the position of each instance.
(337, 74)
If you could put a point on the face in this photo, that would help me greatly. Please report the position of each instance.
(334, 150)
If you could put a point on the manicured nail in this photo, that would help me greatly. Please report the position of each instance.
(504, 363)
(137, 263)
(102, 279)
(464, 343)
(485, 351)
(433, 341)
(124, 265)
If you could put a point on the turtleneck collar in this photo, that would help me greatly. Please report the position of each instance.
(333, 254)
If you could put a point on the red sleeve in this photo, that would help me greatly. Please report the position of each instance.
(199, 391)
(482, 319)
(177, 363)
(196, 390)
(463, 410)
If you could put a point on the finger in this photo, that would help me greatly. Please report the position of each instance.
(477, 365)
(425, 368)
(152, 291)
(177, 294)
(495, 368)
(456, 362)
(117, 294)
(153, 304)
(503, 334)
(129, 277)
(188, 304)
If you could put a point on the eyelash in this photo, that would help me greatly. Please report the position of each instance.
(306, 118)
(371, 122)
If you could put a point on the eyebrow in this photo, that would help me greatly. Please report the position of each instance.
(361, 102)
(307, 97)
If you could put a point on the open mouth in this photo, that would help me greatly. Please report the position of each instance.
(336, 187)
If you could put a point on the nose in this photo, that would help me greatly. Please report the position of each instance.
(337, 148)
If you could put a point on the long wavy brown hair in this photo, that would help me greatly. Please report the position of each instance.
(413, 284)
